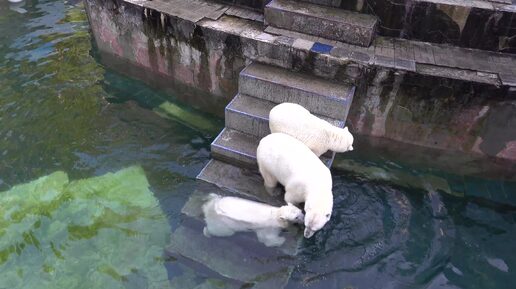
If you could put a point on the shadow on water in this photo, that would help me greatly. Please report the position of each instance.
(396, 223)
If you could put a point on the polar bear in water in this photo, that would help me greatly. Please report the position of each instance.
(226, 215)
(284, 159)
(317, 134)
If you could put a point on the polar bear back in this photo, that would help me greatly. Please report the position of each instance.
(290, 161)
(298, 122)
(247, 211)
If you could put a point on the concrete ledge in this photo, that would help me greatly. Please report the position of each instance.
(321, 21)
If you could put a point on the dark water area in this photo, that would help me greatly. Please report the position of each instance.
(396, 223)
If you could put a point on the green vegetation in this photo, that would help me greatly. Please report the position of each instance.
(93, 233)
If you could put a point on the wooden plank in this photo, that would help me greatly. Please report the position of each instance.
(244, 13)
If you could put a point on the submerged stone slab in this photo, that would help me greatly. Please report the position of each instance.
(235, 259)
(251, 115)
(242, 181)
(336, 24)
(278, 85)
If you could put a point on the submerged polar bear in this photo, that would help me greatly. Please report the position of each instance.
(226, 215)
(284, 159)
(319, 135)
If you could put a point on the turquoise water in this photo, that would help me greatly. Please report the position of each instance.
(396, 223)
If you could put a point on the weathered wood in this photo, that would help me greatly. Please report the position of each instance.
(384, 52)
(404, 55)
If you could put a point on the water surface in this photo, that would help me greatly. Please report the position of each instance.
(395, 224)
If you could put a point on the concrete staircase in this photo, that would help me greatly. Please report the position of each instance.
(261, 87)
(241, 261)
(321, 21)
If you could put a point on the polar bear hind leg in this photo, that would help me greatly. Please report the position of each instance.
(269, 181)
(217, 229)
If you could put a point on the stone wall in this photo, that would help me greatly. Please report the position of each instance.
(467, 23)
(203, 63)
(170, 53)
(438, 113)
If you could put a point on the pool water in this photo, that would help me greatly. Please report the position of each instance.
(394, 225)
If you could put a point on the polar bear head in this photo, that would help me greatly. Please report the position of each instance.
(291, 213)
(318, 213)
(340, 139)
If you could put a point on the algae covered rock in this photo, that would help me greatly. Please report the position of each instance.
(101, 232)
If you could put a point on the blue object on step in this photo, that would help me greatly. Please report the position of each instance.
(321, 48)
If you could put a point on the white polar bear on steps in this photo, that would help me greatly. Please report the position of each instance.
(226, 215)
(317, 134)
(282, 158)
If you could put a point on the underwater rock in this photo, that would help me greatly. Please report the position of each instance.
(90, 233)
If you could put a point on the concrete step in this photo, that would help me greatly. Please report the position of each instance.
(331, 3)
(245, 182)
(239, 148)
(236, 148)
(251, 115)
(327, 22)
(320, 96)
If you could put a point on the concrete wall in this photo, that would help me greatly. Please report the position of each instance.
(179, 55)
(176, 55)
(475, 24)
(438, 113)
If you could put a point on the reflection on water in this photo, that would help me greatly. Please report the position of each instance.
(395, 224)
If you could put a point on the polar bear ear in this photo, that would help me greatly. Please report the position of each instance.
(346, 129)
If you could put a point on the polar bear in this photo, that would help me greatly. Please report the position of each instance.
(319, 135)
(284, 159)
(226, 215)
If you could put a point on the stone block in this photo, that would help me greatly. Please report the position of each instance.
(235, 148)
(326, 22)
(277, 85)
(239, 149)
(251, 115)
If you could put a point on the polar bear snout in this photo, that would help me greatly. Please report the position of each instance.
(314, 221)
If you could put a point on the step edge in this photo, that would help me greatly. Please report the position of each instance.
(234, 110)
(316, 16)
(246, 74)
